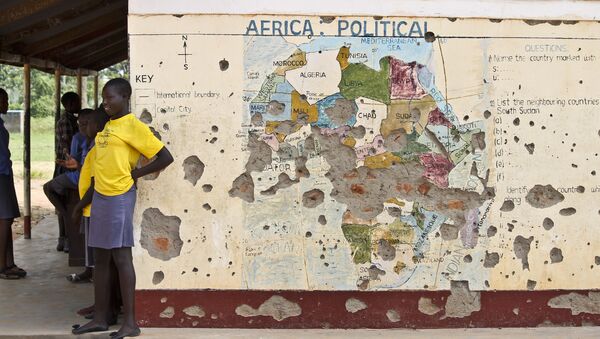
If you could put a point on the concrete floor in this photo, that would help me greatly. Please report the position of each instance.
(44, 304)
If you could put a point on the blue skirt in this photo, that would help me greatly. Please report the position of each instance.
(9, 207)
(111, 221)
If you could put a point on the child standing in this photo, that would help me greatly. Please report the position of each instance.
(66, 127)
(89, 122)
(117, 151)
(9, 208)
(95, 124)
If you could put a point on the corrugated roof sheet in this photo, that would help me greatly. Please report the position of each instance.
(82, 34)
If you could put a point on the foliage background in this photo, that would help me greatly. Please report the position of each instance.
(42, 87)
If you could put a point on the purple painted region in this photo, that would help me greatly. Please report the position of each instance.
(469, 232)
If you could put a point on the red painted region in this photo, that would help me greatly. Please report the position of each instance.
(436, 117)
(326, 309)
(437, 168)
(404, 81)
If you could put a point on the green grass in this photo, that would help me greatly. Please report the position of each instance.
(42, 146)
(42, 149)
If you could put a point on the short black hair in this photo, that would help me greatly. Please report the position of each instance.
(85, 112)
(69, 97)
(122, 86)
(3, 93)
(99, 117)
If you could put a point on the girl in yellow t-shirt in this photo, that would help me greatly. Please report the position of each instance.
(117, 151)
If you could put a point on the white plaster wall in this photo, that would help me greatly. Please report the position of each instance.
(516, 9)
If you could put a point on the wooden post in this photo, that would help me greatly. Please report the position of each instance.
(79, 89)
(27, 151)
(57, 90)
(95, 91)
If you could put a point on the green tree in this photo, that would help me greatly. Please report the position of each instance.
(42, 86)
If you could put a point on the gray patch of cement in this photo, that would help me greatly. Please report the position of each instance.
(194, 311)
(491, 259)
(160, 234)
(396, 140)
(276, 307)
(354, 305)
(521, 247)
(478, 141)
(392, 316)
(313, 198)
(357, 132)
(168, 313)
(548, 224)
(462, 301)
(283, 181)
(158, 277)
(507, 206)
(577, 303)
(386, 251)
(243, 188)
(394, 212)
(567, 211)
(530, 147)
(193, 169)
(556, 255)
(286, 127)
(426, 306)
(449, 231)
(257, 120)
(260, 154)
(342, 111)
(322, 220)
(301, 170)
(287, 152)
(375, 272)
(146, 117)
(275, 107)
(379, 185)
(543, 196)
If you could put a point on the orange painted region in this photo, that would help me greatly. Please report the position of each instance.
(280, 137)
(357, 189)
(342, 57)
(406, 188)
(296, 60)
(302, 106)
(456, 205)
(395, 201)
(162, 244)
(383, 160)
(270, 126)
(424, 188)
(349, 141)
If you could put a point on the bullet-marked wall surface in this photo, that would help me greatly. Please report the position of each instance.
(368, 153)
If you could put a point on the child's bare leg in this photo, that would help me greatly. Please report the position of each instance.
(101, 293)
(124, 262)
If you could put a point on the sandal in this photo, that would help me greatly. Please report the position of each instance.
(78, 279)
(21, 273)
(7, 274)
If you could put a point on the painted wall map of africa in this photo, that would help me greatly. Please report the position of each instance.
(367, 149)
(352, 153)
